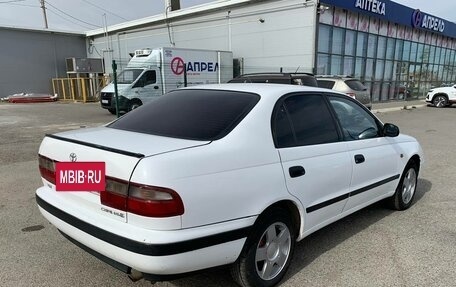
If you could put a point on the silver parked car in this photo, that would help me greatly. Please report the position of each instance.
(348, 85)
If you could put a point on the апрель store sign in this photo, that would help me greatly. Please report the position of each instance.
(425, 21)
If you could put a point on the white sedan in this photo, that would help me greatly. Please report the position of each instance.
(224, 174)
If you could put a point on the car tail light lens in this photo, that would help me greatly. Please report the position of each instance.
(353, 95)
(115, 194)
(145, 200)
(47, 168)
(153, 201)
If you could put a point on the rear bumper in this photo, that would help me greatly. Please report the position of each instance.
(124, 268)
(142, 254)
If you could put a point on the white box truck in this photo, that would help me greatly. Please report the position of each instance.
(153, 72)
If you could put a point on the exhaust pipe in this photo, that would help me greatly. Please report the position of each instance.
(135, 275)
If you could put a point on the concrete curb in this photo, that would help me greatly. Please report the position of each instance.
(400, 108)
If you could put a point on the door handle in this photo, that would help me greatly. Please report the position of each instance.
(359, 158)
(296, 171)
(156, 87)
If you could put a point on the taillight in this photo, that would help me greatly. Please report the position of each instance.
(153, 201)
(115, 193)
(47, 168)
(353, 95)
(145, 200)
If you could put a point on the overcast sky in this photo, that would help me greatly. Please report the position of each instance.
(84, 15)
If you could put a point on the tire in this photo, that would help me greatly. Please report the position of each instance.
(112, 111)
(406, 189)
(134, 104)
(267, 252)
(440, 101)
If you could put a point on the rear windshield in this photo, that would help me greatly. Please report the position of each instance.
(204, 115)
(325, 84)
(355, 85)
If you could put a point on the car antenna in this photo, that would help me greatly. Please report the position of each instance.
(297, 69)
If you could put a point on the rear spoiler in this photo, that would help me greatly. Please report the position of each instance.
(119, 151)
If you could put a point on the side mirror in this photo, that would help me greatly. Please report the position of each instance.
(390, 130)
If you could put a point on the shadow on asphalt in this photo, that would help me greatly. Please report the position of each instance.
(325, 239)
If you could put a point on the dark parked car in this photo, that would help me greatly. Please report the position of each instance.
(302, 79)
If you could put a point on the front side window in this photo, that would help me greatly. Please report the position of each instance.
(355, 121)
(148, 78)
(302, 120)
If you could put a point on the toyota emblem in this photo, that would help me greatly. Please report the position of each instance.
(73, 157)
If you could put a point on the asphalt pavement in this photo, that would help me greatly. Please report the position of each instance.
(373, 247)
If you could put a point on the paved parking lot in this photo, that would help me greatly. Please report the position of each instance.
(373, 247)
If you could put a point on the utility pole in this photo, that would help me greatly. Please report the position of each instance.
(44, 14)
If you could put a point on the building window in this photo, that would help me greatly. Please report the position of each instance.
(371, 45)
(406, 54)
(381, 47)
(398, 50)
(336, 65)
(361, 44)
(350, 39)
(348, 66)
(324, 38)
(390, 46)
(337, 41)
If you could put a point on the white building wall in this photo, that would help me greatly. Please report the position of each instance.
(267, 35)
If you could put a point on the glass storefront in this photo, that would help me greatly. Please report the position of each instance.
(389, 58)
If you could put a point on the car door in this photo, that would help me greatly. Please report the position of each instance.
(316, 164)
(373, 157)
(147, 87)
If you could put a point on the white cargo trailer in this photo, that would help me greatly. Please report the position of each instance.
(153, 72)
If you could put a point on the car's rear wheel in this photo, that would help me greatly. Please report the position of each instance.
(112, 111)
(267, 252)
(405, 191)
(440, 101)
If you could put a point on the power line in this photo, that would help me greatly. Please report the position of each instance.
(18, 4)
(103, 9)
(66, 19)
(63, 12)
(10, 1)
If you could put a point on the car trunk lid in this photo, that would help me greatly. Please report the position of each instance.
(119, 150)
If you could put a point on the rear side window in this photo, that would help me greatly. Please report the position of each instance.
(355, 85)
(326, 84)
(304, 120)
(204, 115)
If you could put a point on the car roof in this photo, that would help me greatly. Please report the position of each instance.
(276, 74)
(271, 91)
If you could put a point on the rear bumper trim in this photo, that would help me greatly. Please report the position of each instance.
(140, 247)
